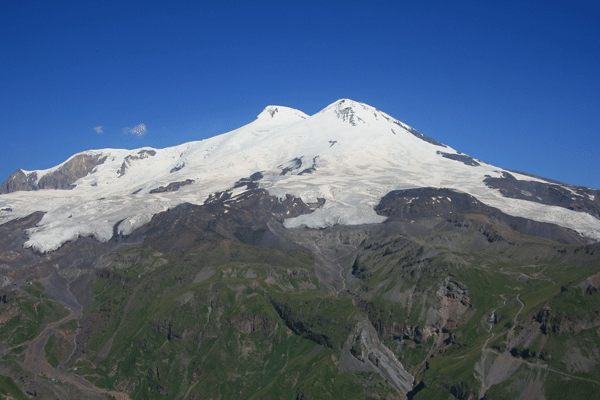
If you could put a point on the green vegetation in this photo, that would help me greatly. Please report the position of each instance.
(57, 349)
(562, 387)
(9, 388)
(494, 280)
(70, 325)
(28, 315)
(218, 318)
(256, 327)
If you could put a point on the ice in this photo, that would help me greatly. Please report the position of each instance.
(357, 159)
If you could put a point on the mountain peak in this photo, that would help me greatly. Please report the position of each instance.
(346, 103)
(280, 114)
(356, 113)
(350, 154)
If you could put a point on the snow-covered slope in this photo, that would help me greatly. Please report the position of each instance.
(349, 153)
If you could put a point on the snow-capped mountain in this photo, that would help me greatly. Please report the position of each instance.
(349, 154)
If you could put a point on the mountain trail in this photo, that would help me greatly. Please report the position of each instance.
(539, 365)
(34, 360)
(510, 336)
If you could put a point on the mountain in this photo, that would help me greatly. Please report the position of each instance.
(349, 154)
(338, 255)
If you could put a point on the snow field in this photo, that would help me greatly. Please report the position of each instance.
(356, 157)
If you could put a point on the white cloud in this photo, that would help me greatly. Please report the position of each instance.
(98, 129)
(137, 130)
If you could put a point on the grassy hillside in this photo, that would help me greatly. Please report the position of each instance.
(223, 309)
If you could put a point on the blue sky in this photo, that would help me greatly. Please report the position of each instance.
(516, 84)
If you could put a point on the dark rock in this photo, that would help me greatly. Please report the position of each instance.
(424, 138)
(251, 218)
(165, 327)
(249, 182)
(347, 114)
(63, 178)
(410, 395)
(491, 236)
(177, 168)
(142, 154)
(256, 176)
(460, 157)
(411, 204)
(548, 193)
(299, 327)
(172, 187)
(294, 164)
(249, 323)
(534, 176)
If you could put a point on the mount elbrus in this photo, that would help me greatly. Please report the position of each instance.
(340, 255)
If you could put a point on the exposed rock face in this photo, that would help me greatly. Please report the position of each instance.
(165, 327)
(424, 138)
(63, 178)
(299, 166)
(178, 167)
(251, 323)
(370, 354)
(454, 305)
(591, 284)
(347, 113)
(129, 159)
(575, 198)
(439, 308)
(302, 328)
(172, 187)
(463, 158)
(428, 202)
(405, 205)
(12, 238)
(251, 218)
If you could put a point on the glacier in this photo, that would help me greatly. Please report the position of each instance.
(349, 154)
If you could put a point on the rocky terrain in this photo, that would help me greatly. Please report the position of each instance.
(60, 178)
(433, 293)
(422, 306)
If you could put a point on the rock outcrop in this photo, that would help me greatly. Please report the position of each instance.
(62, 178)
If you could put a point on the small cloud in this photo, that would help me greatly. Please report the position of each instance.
(98, 129)
(137, 130)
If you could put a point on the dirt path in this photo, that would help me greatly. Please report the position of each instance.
(539, 365)
(540, 275)
(546, 367)
(34, 360)
(483, 348)
(510, 336)
(536, 275)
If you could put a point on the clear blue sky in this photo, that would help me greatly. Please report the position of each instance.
(516, 84)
